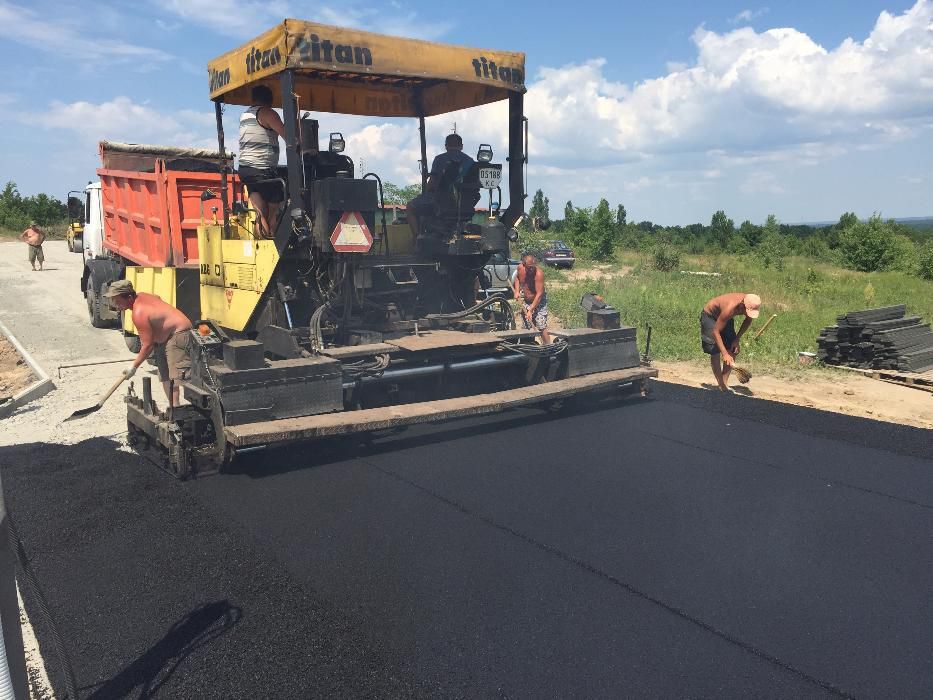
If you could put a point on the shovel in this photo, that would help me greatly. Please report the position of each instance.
(81, 412)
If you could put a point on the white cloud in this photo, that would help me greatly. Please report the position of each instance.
(752, 110)
(44, 33)
(748, 91)
(746, 16)
(121, 119)
(245, 19)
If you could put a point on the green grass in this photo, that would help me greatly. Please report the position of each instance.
(53, 232)
(804, 301)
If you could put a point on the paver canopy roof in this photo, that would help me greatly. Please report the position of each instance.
(348, 71)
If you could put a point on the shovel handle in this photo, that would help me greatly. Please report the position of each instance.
(115, 386)
(764, 327)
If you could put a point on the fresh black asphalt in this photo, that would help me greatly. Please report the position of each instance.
(692, 545)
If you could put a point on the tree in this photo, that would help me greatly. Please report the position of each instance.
(12, 212)
(568, 211)
(620, 216)
(75, 209)
(750, 232)
(773, 247)
(602, 232)
(400, 195)
(539, 217)
(579, 228)
(540, 207)
(925, 261)
(721, 228)
(868, 245)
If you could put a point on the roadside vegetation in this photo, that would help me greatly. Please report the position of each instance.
(807, 275)
(17, 211)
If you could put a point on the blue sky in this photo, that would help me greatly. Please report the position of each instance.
(673, 108)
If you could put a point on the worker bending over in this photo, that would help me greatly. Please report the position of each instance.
(717, 330)
(163, 331)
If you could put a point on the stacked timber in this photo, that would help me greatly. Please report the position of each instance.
(878, 339)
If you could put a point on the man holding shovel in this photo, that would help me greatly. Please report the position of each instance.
(163, 330)
(717, 330)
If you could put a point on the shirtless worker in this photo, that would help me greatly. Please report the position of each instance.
(163, 330)
(34, 237)
(717, 330)
(529, 287)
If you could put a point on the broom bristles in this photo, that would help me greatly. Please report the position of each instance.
(743, 374)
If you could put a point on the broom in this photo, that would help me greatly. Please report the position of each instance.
(742, 373)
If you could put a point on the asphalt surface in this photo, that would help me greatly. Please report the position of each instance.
(692, 545)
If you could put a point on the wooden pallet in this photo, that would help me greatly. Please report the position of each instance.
(914, 380)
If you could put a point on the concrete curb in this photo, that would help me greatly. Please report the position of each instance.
(42, 386)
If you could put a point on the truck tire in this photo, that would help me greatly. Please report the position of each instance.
(93, 308)
(133, 343)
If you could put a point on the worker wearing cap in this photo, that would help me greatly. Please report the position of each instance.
(163, 331)
(717, 330)
(34, 238)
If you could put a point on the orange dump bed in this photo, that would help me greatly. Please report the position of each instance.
(151, 216)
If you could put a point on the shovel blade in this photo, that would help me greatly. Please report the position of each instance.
(81, 412)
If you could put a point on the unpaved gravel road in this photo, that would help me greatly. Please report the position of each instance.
(47, 314)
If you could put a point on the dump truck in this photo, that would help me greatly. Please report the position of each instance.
(341, 322)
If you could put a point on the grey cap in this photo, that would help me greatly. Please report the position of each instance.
(119, 288)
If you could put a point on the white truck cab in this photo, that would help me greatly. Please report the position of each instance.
(100, 267)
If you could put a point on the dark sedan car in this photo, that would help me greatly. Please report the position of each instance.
(558, 254)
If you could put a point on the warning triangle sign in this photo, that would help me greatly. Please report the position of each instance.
(351, 235)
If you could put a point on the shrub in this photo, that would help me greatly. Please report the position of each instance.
(816, 247)
(738, 245)
(814, 283)
(666, 258)
(924, 266)
(772, 250)
(869, 246)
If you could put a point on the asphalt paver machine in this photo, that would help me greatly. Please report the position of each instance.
(341, 323)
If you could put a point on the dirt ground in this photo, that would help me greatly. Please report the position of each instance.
(597, 272)
(15, 374)
(828, 390)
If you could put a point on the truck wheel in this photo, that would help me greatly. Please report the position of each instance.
(133, 343)
(93, 308)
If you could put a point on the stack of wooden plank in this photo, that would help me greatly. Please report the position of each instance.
(878, 339)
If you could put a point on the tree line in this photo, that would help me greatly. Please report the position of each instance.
(872, 245)
(17, 211)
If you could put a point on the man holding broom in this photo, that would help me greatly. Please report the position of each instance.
(717, 330)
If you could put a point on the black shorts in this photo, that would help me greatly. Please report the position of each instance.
(424, 203)
(272, 192)
(708, 340)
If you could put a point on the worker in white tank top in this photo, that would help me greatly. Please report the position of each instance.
(260, 128)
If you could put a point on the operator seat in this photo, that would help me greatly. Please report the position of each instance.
(458, 192)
